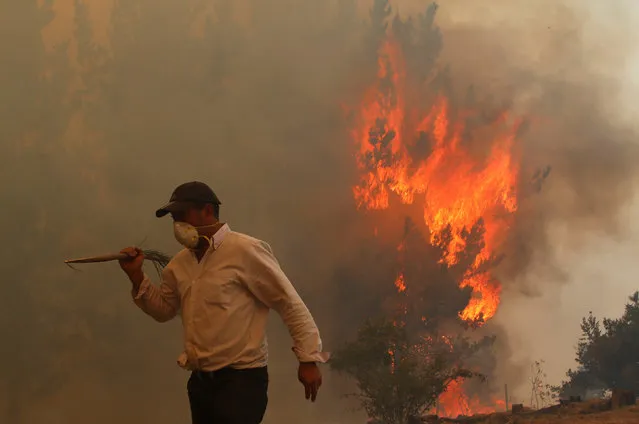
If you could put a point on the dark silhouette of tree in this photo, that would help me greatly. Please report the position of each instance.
(377, 29)
(399, 374)
(425, 313)
(421, 42)
(606, 354)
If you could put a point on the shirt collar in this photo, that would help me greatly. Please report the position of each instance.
(219, 235)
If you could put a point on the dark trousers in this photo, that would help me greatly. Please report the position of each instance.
(228, 396)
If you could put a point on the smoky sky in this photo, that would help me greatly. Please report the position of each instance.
(251, 97)
(564, 67)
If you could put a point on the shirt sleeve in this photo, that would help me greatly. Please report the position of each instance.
(161, 303)
(269, 284)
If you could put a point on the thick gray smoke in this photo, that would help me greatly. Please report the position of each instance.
(564, 66)
(248, 96)
(577, 153)
(552, 71)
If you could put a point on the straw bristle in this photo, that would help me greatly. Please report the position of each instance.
(157, 258)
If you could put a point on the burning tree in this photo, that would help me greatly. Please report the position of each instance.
(423, 154)
(399, 376)
(404, 362)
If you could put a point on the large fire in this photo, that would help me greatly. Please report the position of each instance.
(458, 187)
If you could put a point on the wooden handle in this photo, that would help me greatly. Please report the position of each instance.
(101, 258)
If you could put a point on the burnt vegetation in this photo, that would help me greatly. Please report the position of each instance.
(404, 359)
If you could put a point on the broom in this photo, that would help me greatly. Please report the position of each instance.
(157, 258)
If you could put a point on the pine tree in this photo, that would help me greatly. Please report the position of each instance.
(606, 354)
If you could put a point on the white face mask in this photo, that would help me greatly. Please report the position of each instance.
(188, 236)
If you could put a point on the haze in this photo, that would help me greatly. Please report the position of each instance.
(267, 132)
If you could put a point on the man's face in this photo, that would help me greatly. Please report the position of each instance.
(192, 215)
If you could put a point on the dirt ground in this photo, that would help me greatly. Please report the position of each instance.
(591, 412)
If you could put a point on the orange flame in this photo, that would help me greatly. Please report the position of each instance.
(457, 189)
(454, 403)
(399, 283)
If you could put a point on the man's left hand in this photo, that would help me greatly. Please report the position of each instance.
(310, 376)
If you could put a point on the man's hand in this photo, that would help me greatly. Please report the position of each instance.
(310, 376)
(133, 264)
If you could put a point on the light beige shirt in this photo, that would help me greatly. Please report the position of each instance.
(224, 301)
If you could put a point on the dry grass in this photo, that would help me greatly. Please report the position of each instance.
(591, 412)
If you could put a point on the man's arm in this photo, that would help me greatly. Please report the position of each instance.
(269, 284)
(161, 303)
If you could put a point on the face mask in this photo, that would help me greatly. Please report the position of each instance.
(188, 236)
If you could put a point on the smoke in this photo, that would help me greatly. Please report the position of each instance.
(100, 125)
(563, 67)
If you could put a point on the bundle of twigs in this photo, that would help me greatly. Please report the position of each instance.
(157, 258)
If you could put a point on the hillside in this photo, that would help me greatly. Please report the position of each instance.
(591, 412)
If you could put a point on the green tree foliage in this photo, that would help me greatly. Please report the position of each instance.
(403, 362)
(399, 375)
(606, 354)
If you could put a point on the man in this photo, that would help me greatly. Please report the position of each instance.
(224, 283)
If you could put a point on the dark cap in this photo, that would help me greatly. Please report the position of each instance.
(186, 194)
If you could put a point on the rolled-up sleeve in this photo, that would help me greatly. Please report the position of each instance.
(271, 286)
(161, 303)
